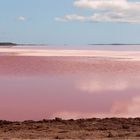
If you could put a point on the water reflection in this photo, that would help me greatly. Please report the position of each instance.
(102, 82)
(68, 88)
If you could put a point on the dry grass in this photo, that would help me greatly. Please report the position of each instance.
(108, 128)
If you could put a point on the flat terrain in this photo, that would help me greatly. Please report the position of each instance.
(124, 55)
(72, 129)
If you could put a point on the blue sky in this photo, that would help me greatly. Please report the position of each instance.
(34, 21)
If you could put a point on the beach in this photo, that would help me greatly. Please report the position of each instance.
(34, 51)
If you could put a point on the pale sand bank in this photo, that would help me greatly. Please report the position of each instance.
(125, 55)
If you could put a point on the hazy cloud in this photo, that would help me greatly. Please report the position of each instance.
(122, 11)
(71, 18)
(22, 18)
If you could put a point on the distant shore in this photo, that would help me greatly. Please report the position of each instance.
(7, 44)
(93, 128)
(36, 44)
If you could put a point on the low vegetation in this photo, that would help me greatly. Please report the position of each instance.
(72, 129)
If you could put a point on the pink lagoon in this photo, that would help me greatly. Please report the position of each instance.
(38, 83)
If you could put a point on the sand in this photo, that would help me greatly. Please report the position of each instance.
(128, 55)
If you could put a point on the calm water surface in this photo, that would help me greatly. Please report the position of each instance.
(68, 87)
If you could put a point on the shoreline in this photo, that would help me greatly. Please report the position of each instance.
(103, 54)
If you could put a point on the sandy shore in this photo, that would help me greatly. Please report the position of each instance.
(94, 128)
(128, 55)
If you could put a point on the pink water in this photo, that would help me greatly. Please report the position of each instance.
(68, 87)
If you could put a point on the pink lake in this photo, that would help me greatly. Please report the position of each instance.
(38, 87)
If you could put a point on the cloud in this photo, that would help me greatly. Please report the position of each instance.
(71, 18)
(121, 11)
(105, 4)
(22, 18)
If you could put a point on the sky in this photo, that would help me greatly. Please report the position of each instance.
(70, 21)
